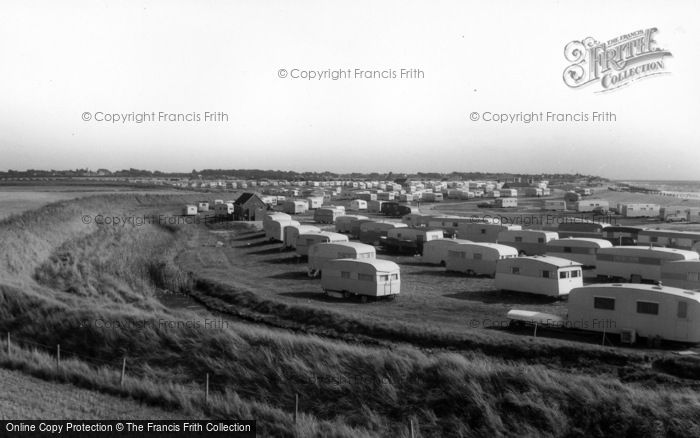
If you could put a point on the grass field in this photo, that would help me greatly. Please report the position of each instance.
(429, 296)
(359, 369)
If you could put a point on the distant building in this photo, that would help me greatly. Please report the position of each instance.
(245, 206)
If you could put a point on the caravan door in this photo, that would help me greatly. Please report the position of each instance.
(682, 322)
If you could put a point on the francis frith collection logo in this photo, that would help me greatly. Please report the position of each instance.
(616, 62)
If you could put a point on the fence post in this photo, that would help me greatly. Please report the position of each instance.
(410, 423)
(121, 379)
(296, 407)
(603, 341)
(535, 334)
(8, 344)
(206, 390)
(58, 356)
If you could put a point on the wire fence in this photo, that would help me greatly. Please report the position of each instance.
(126, 369)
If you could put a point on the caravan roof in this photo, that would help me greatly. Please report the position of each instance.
(356, 245)
(503, 249)
(600, 243)
(557, 262)
(688, 255)
(665, 290)
(377, 265)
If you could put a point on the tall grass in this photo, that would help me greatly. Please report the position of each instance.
(188, 399)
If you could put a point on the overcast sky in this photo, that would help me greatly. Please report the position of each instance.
(59, 60)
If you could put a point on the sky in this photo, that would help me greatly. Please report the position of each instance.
(67, 66)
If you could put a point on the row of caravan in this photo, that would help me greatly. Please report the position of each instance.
(412, 233)
(346, 268)
(631, 235)
(628, 310)
(542, 275)
(480, 229)
(329, 214)
(594, 257)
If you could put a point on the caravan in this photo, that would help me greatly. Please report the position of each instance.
(541, 275)
(482, 232)
(578, 249)
(581, 228)
(344, 224)
(417, 219)
(632, 310)
(223, 210)
(189, 210)
(320, 253)
(435, 252)
(554, 205)
(327, 215)
(372, 232)
(307, 240)
(637, 263)
(669, 238)
(366, 278)
(409, 240)
(358, 204)
(528, 242)
(292, 232)
(478, 258)
(274, 228)
(621, 236)
(295, 207)
(683, 273)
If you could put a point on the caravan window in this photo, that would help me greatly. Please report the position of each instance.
(540, 240)
(394, 276)
(647, 308)
(693, 276)
(518, 239)
(564, 274)
(567, 249)
(626, 259)
(515, 270)
(574, 274)
(344, 274)
(477, 256)
(366, 277)
(682, 309)
(384, 277)
(545, 274)
(483, 231)
(604, 303)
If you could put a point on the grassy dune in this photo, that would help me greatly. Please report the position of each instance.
(62, 280)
